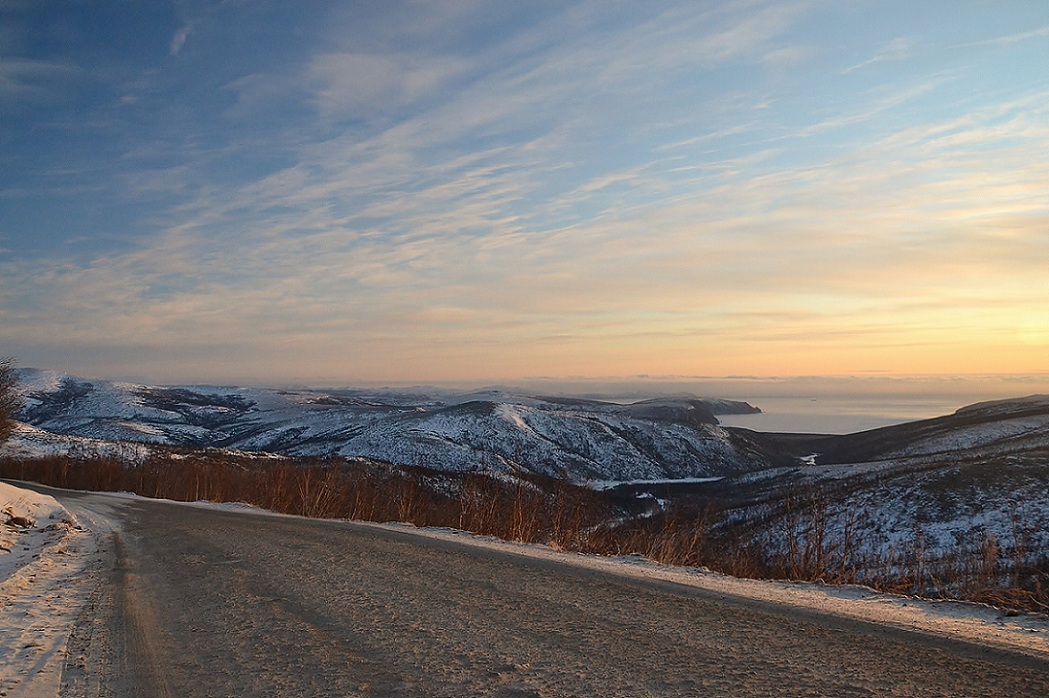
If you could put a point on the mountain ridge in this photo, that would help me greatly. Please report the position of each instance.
(579, 439)
(950, 484)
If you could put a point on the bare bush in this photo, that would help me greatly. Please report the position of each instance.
(803, 537)
(10, 398)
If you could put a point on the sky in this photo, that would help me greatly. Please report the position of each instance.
(474, 191)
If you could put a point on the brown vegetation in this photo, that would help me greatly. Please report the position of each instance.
(795, 538)
(537, 510)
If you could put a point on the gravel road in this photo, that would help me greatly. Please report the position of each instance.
(203, 602)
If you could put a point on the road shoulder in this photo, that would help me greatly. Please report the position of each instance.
(46, 561)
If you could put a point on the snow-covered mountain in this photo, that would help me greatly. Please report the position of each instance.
(951, 481)
(490, 430)
(994, 427)
(950, 485)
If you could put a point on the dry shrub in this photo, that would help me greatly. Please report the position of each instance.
(794, 539)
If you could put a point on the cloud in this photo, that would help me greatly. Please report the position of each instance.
(789, 57)
(876, 107)
(24, 78)
(750, 31)
(179, 39)
(369, 85)
(580, 198)
(1015, 38)
(851, 227)
(899, 49)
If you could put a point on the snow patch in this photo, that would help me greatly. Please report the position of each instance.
(43, 554)
(600, 485)
(28, 442)
(18, 506)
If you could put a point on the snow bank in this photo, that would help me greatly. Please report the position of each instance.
(40, 544)
(601, 485)
(25, 509)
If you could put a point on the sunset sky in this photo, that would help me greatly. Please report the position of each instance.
(468, 191)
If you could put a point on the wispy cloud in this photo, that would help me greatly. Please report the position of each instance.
(897, 50)
(874, 108)
(357, 85)
(22, 78)
(179, 39)
(1015, 38)
(584, 194)
(789, 57)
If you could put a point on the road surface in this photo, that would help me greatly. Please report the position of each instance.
(206, 602)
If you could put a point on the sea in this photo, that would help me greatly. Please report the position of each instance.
(814, 404)
(840, 414)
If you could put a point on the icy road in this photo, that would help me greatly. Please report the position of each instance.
(205, 602)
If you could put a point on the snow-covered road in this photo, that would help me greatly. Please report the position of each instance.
(200, 600)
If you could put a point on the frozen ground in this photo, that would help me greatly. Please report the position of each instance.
(44, 554)
(47, 571)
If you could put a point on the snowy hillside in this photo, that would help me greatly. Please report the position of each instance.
(30, 442)
(490, 430)
(936, 504)
(983, 469)
(1001, 425)
(949, 485)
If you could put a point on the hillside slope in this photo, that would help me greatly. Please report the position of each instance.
(498, 431)
(949, 486)
(996, 426)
